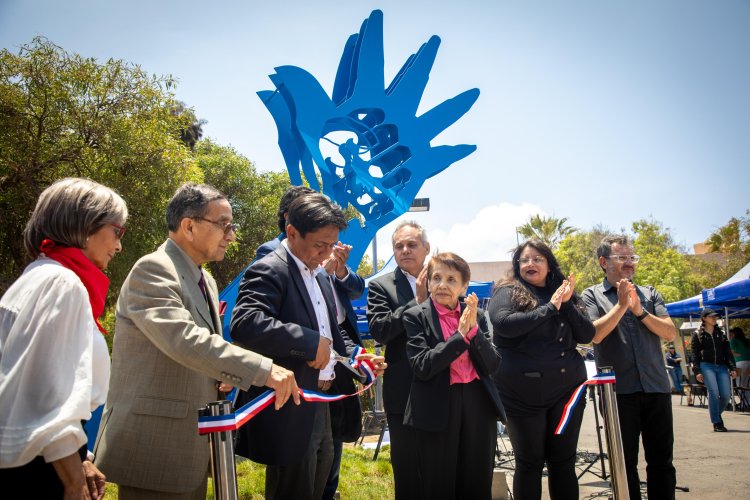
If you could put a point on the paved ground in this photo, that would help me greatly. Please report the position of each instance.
(713, 465)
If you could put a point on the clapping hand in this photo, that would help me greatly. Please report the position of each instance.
(422, 285)
(469, 316)
(562, 294)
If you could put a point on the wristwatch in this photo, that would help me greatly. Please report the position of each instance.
(642, 315)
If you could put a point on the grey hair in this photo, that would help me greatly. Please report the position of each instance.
(190, 201)
(69, 211)
(411, 223)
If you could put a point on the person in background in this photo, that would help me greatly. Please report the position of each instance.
(713, 364)
(291, 194)
(537, 322)
(169, 358)
(675, 362)
(54, 364)
(631, 322)
(388, 297)
(740, 346)
(453, 403)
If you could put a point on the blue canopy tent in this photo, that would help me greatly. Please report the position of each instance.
(732, 297)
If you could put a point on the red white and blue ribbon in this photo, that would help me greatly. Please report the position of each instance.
(233, 421)
(598, 379)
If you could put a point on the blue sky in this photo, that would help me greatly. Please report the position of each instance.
(600, 111)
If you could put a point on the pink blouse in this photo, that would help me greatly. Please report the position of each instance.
(462, 369)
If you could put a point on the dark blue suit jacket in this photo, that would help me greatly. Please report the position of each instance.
(274, 316)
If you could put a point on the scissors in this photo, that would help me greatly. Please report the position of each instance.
(344, 360)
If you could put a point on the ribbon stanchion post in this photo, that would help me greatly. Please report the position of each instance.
(218, 421)
(223, 471)
(619, 475)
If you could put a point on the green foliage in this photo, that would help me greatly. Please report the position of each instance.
(577, 254)
(732, 240)
(65, 115)
(662, 263)
(550, 230)
(255, 200)
(365, 266)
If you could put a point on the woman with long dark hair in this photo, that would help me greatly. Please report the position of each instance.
(538, 320)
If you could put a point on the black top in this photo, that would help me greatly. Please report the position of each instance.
(631, 348)
(431, 355)
(711, 348)
(388, 297)
(540, 362)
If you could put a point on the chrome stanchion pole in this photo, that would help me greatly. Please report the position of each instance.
(223, 469)
(619, 476)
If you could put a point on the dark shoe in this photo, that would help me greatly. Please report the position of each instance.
(719, 428)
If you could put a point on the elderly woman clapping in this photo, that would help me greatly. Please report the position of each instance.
(453, 402)
(54, 364)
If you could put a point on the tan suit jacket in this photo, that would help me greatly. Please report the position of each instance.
(167, 355)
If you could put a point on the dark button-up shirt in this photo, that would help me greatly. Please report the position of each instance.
(631, 349)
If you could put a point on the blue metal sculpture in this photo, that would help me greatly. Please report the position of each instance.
(383, 154)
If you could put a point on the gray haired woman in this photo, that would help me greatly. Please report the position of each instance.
(54, 363)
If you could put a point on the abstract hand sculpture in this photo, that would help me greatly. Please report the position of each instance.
(382, 154)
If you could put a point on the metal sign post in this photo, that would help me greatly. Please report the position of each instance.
(614, 440)
(223, 469)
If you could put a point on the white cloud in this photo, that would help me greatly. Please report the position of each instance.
(489, 236)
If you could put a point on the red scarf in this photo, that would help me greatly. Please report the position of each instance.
(95, 281)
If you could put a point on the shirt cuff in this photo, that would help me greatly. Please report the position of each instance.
(470, 335)
(65, 446)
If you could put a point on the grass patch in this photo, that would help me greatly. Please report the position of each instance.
(361, 477)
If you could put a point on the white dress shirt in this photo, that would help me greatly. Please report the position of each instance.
(320, 307)
(54, 365)
(412, 282)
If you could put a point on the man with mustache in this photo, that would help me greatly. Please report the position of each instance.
(631, 321)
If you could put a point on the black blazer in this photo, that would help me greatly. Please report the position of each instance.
(431, 355)
(274, 316)
(388, 297)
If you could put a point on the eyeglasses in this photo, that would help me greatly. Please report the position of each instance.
(224, 226)
(625, 258)
(119, 231)
(536, 260)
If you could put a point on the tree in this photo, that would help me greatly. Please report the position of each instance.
(191, 133)
(577, 254)
(365, 266)
(663, 264)
(733, 240)
(550, 230)
(65, 115)
(254, 198)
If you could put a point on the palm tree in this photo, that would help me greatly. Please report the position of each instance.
(550, 230)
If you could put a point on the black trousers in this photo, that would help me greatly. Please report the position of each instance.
(403, 457)
(37, 475)
(458, 462)
(534, 443)
(332, 484)
(648, 416)
(306, 479)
